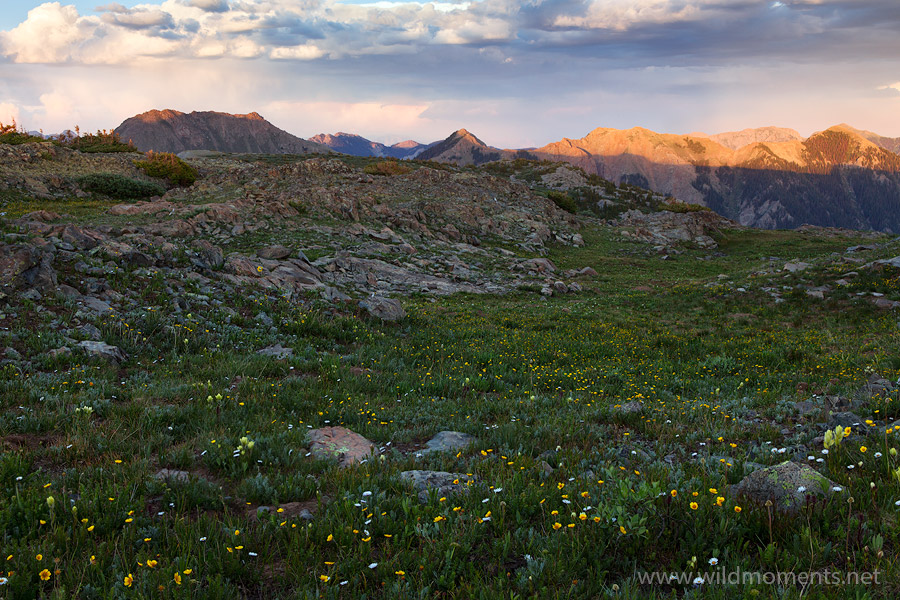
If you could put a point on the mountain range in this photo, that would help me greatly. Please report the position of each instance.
(769, 177)
(356, 145)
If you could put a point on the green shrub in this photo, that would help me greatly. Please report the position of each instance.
(682, 207)
(387, 167)
(563, 201)
(166, 165)
(118, 186)
(102, 141)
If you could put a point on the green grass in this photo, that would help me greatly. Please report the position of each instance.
(717, 372)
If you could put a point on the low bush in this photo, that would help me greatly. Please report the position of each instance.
(563, 201)
(165, 165)
(118, 186)
(682, 207)
(387, 167)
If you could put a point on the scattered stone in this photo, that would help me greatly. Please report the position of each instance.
(96, 304)
(104, 350)
(848, 419)
(69, 292)
(89, 331)
(274, 252)
(796, 266)
(787, 485)
(443, 483)
(61, 351)
(629, 408)
(277, 351)
(877, 386)
(173, 475)
(341, 443)
(211, 257)
(891, 262)
(448, 440)
(541, 265)
(886, 304)
(386, 309)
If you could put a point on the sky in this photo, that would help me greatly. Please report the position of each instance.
(516, 74)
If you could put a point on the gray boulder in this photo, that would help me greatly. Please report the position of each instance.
(104, 350)
(444, 483)
(448, 440)
(786, 485)
(386, 309)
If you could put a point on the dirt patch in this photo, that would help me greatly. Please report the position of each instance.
(28, 441)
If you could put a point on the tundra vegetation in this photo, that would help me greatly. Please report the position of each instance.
(609, 428)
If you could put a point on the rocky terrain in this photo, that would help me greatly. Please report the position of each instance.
(174, 131)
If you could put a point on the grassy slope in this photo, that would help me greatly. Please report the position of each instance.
(717, 371)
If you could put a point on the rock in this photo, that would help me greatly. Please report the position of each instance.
(33, 294)
(448, 440)
(541, 265)
(276, 351)
(787, 485)
(629, 408)
(818, 294)
(877, 386)
(386, 309)
(173, 475)
(886, 304)
(81, 239)
(334, 295)
(61, 351)
(138, 259)
(211, 256)
(273, 252)
(443, 483)
(560, 288)
(69, 292)
(848, 419)
(669, 228)
(96, 304)
(89, 331)
(265, 319)
(104, 350)
(892, 262)
(796, 266)
(341, 443)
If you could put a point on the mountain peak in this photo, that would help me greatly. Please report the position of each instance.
(174, 131)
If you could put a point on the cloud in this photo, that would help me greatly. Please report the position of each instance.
(892, 89)
(210, 5)
(9, 112)
(140, 19)
(304, 52)
(49, 34)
